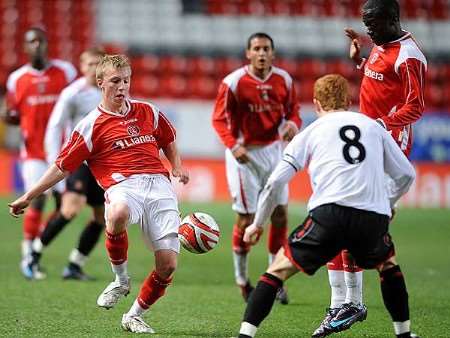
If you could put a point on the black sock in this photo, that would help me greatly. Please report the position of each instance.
(89, 237)
(53, 228)
(395, 296)
(404, 335)
(261, 299)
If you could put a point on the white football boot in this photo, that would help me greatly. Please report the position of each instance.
(135, 324)
(113, 292)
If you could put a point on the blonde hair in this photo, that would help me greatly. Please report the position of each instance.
(116, 61)
(332, 91)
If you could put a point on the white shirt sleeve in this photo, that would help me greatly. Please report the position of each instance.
(397, 166)
(268, 198)
(56, 126)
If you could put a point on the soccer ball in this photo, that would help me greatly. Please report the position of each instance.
(199, 233)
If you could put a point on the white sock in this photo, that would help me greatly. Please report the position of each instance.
(353, 281)
(136, 310)
(248, 329)
(402, 327)
(37, 245)
(271, 258)
(338, 289)
(26, 248)
(121, 272)
(240, 262)
(76, 257)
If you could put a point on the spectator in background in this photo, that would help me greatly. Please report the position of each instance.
(74, 103)
(255, 110)
(32, 91)
(120, 141)
(392, 92)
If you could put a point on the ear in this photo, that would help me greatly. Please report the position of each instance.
(99, 83)
(247, 54)
(317, 105)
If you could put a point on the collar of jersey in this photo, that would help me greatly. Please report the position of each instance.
(127, 104)
(247, 69)
(404, 37)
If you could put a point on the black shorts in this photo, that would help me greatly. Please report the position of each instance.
(83, 182)
(331, 228)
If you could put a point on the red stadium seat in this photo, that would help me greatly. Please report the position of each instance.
(225, 66)
(173, 86)
(310, 68)
(145, 86)
(339, 66)
(146, 64)
(175, 64)
(203, 87)
(201, 65)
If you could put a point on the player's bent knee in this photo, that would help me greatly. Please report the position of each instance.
(244, 220)
(279, 216)
(387, 264)
(118, 215)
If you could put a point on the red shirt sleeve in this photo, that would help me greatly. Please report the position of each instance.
(73, 154)
(412, 76)
(165, 133)
(293, 109)
(223, 115)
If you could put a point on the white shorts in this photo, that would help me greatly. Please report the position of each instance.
(153, 205)
(246, 181)
(32, 170)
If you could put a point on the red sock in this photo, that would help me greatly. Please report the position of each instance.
(117, 247)
(349, 262)
(239, 246)
(31, 223)
(152, 289)
(336, 263)
(277, 238)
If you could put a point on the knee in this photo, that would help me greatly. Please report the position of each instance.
(244, 220)
(279, 216)
(167, 269)
(117, 216)
(69, 211)
(387, 264)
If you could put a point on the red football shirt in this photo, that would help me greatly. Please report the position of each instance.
(117, 146)
(249, 110)
(393, 87)
(32, 94)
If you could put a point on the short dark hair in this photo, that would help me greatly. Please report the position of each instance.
(260, 35)
(382, 8)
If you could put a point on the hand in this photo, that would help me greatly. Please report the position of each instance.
(17, 207)
(393, 212)
(252, 234)
(182, 173)
(288, 131)
(355, 45)
(240, 154)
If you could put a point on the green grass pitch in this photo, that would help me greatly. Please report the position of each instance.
(203, 300)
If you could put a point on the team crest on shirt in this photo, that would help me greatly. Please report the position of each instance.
(133, 130)
(374, 58)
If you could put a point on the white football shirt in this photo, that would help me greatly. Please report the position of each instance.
(74, 103)
(347, 155)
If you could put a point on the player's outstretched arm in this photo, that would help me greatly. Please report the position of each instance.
(355, 46)
(397, 166)
(268, 200)
(52, 176)
(172, 154)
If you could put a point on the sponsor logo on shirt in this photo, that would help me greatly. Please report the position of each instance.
(373, 74)
(132, 141)
(34, 100)
(374, 58)
(124, 123)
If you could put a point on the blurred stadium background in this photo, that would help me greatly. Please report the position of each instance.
(181, 49)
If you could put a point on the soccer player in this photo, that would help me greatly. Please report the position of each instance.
(32, 91)
(120, 141)
(74, 103)
(348, 155)
(392, 92)
(255, 110)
